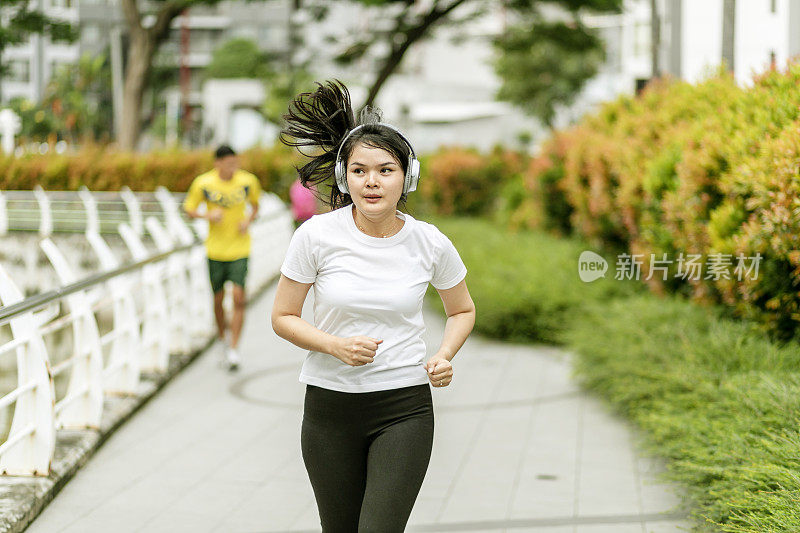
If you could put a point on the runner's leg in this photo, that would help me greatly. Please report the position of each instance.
(239, 302)
(335, 456)
(237, 274)
(217, 273)
(396, 465)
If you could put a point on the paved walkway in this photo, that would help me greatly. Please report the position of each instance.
(517, 448)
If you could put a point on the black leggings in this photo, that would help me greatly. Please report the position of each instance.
(366, 454)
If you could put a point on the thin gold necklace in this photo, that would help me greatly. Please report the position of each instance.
(382, 236)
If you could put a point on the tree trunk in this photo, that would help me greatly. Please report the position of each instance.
(389, 66)
(143, 45)
(140, 56)
(655, 40)
(414, 34)
(728, 34)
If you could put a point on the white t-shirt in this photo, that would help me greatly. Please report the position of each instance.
(371, 286)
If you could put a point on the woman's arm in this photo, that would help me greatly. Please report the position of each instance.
(286, 321)
(460, 311)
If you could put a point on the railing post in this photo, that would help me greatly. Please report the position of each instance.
(199, 294)
(178, 288)
(32, 454)
(45, 215)
(134, 210)
(175, 225)
(155, 320)
(124, 354)
(86, 376)
(90, 205)
(3, 215)
(201, 288)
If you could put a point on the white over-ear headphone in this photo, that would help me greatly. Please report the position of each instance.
(412, 168)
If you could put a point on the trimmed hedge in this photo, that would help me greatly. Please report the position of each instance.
(104, 170)
(454, 180)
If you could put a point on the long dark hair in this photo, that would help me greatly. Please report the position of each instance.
(321, 120)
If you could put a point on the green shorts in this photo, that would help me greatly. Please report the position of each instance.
(222, 271)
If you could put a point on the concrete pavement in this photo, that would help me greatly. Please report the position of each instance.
(517, 447)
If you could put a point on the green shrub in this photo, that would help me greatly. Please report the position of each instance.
(694, 169)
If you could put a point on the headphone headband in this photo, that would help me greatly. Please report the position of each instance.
(349, 133)
(412, 166)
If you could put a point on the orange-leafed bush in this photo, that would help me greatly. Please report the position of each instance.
(695, 169)
(461, 181)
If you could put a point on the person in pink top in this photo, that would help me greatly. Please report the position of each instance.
(304, 205)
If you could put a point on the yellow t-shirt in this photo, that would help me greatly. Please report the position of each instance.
(225, 242)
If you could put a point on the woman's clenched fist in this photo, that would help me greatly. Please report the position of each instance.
(356, 351)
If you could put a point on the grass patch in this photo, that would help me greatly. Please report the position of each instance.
(715, 397)
(527, 284)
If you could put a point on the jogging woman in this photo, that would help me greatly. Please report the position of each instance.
(367, 430)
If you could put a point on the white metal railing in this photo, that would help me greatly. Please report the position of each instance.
(159, 304)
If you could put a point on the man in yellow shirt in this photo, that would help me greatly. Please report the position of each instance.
(225, 190)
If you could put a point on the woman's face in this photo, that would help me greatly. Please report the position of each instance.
(375, 179)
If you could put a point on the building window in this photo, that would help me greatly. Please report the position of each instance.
(61, 3)
(19, 70)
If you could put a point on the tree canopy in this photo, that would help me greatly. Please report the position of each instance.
(238, 58)
(545, 64)
(19, 21)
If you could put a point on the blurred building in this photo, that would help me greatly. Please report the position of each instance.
(693, 39)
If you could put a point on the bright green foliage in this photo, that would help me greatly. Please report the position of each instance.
(76, 105)
(525, 285)
(715, 397)
(37, 123)
(79, 97)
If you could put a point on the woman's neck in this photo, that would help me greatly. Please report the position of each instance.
(386, 227)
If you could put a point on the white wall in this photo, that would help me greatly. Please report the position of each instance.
(701, 46)
(759, 32)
